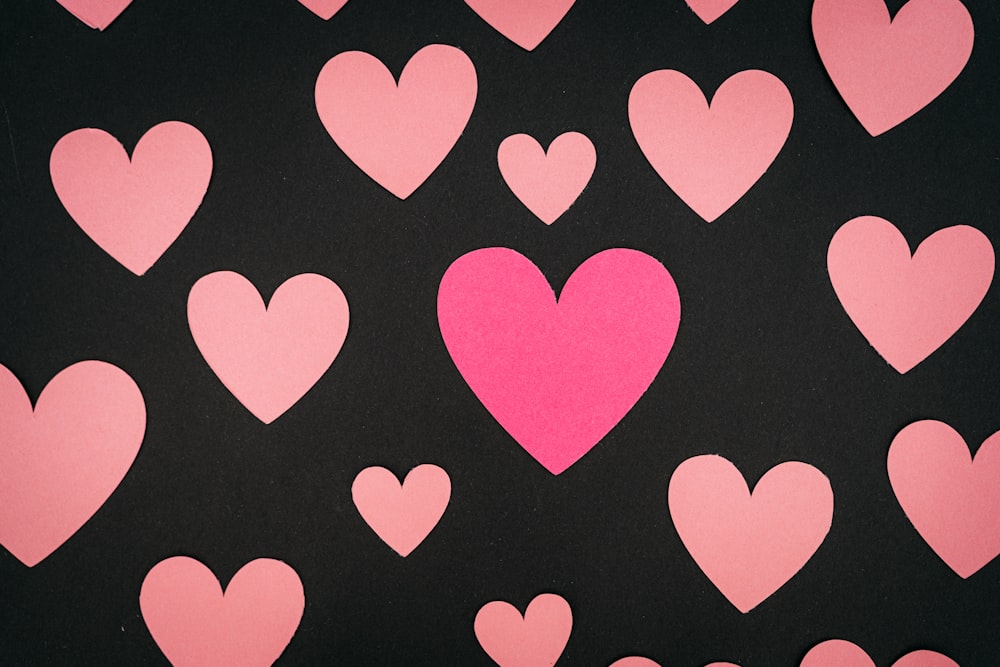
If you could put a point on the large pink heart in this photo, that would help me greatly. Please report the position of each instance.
(95, 13)
(710, 155)
(905, 306)
(547, 183)
(887, 70)
(325, 9)
(268, 356)
(398, 135)
(558, 376)
(709, 10)
(637, 661)
(842, 653)
(403, 515)
(196, 625)
(524, 22)
(61, 462)
(536, 640)
(749, 545)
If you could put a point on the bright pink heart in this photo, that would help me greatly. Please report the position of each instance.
(97, 14)
(268, 356)
(398, 135)
(547, 183)
(402, 515)
(709, 10)
(887, 70)
(749, 545)
(952, 500)
(61, 462)
(905, 306)
(536, 640)
(558, 376)
(325, 9)
(636, 661)
(524, 22)
(710, 155)
(196, 625)
(841, 653)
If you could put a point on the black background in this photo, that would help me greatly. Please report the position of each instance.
(766, 368)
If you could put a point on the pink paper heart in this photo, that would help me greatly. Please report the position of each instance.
(524, 22)
(61, 461)
(952, 499)
(887, 70)
(196, 625)
(709, 10)
(558, 376)
(398, 135)
(97, 14)
(325, 9)
(907, 307)
(547, 182)
(710, 155)
(403, 515)
(268, 356)
(536, 640)
(749, 545)
(636, 661)
(841, 653)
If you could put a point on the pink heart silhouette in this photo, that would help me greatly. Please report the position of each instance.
(536, 640)
(325, 9)
(710, 155)
(268, 357)
(97, 14)
(841, 653)
(398, 135)
(524, 22)
(907, 307)
(558, 376)
(709, 10)
(402, 515)
(887, 70)
(61, 462)
(749, 545)
(636, 661)
(196, 625)
(547, 183)
(952, 499)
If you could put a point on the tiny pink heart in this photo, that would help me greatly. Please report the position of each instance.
(97, 14)
(842, 653)
(907, 307)
(61, 461)
(710, 155)
(535, 640)
(749, 545)
(709, 10)
(195, 624)
(403, 515)
(547, 182)
(887, 70)
(524, 22)
(325, 9)
(268, 356)
(398, 135)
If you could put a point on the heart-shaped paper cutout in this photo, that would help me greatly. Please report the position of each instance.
(841, 653)
(325, 9)
(403, 515)
(535, 640)
(709, 10)
(636, 661)
(547, 182)
(524, 22)
(97, 14)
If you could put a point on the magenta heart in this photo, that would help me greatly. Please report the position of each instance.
(325, 9)
(524, 22)
(97, 14)
(547, 182)
(535, 640)
(842, 653)
(403, 515)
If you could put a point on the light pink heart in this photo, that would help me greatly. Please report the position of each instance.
(61, 461)
(952, 499)
(558, 376)
(710, 155)
(268, 356)
(636, 661)
(524, 22)
(403, 515)
(841, 653)
(97, 14)
(907, 307)
(547, 182)
(709, 10)
(398, 135)
(325, 9)
(196, 625)
(749, 545)
(887, 70)
(535, 640)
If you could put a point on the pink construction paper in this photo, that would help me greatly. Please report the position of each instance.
(97, 14)
(547, 182)
(887, 70)
(268, 356)
(558, 375)
(61, 461)
(635, 661)
(398, 135)
(196, 625)
(325, 9)
(907, 307)
(952, 499)
(841, 653)
(710, 155)
(524, 22)
(709, 10)
(749, 545)
(535, 640)
(402, 515)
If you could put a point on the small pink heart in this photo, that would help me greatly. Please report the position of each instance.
(907, 307)
(524, 22)
(749, 545)
(709, 10)
(710, 155)
(196, 625)
(635, 661)
(536, 640)
(62, 461)
(841, 653)
(547, 183)
(402, 515)
(268, 356)
(97, 14)
(398, 135)
(952, 499)
(325, 9)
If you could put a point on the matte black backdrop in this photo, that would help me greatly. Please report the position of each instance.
(767, 367)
